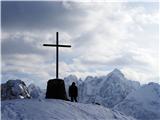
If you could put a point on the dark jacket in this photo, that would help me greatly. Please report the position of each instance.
(73, 91)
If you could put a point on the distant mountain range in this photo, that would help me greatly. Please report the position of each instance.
(113, 91)
(143, 104)
(108, 90)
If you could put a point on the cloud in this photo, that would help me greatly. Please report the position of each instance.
(103, 36)
(40, 16)
(19, 44)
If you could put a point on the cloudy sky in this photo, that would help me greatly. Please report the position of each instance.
(103, 36)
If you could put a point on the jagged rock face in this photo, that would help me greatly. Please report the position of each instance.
(14, 89)
(115, 88)
(107, 90)
(89, 89)
(143, 104)
(35, 91)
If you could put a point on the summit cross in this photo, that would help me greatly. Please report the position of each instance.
(57, 45)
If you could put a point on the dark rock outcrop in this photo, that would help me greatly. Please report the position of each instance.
(14, 89)
(36, 92)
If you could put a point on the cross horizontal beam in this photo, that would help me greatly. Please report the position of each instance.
(53, 45)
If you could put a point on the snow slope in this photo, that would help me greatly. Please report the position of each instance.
(143, 104)
(50, 109)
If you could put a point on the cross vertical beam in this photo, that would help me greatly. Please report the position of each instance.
(57, 55)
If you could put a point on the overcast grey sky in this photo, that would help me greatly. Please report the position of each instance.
(103, 36)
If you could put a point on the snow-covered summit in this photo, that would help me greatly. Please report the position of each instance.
(89, 78)
(107, 90)
(116, 73)
(14, 89)
(143, 104)
(50, 109)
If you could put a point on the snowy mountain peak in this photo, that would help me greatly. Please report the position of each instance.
(116, 70)
(116, 74)
(71, 78)
(153, 84)
(14, 89)
(89, 78)
(35, 91)
(143, 104)
(147, 93)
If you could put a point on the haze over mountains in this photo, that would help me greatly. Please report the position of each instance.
(112, 91)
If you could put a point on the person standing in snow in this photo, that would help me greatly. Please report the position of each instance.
(73, 92)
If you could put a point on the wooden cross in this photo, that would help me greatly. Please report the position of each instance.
(57, 52)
